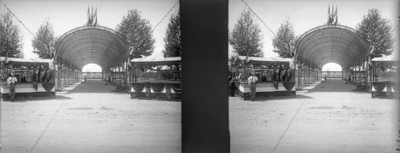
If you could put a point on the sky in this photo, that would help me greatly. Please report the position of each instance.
(66, 15)
(303, 14)
(307, 14)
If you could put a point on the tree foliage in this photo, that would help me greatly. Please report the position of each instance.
(284, 41)
(10, 37)
(245, 36)
(172, 40)
(137, 32)
(376, 30)
(44, 41)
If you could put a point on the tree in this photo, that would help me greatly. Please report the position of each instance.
(284, 41)
(10, 37)
(376, 30)
(137, 32)
(172, 40)
(44, 41)
(245, 36)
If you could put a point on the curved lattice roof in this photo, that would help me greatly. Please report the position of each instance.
(331, 43)
(91, 44)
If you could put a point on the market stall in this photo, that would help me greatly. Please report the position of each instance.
(276, 77)
(384, 72)
(35, 77)
(155, 77)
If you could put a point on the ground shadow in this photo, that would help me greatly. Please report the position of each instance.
(334, 86)
(93, 86)
(394, 97)
(159, 99)
(266, 98)
(35, 99)
(298, 96)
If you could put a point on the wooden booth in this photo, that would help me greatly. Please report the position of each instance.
(155, 77)
(384, 81)
(35, 77)
(276, 77)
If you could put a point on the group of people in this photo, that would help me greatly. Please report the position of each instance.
(42, 75)
(23, 77)
(280, 74)
(251, 80)
(233, 84)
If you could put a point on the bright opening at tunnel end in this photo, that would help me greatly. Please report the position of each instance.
(332, 67)
(91, 68)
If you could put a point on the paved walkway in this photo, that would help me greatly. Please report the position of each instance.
(329, 118)
(90, 118)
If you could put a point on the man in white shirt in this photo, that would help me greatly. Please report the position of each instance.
(11, 81)
(252, 80)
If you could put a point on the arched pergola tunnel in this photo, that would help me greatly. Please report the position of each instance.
(330, 44)
(90, 44)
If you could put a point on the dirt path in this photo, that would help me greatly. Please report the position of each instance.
(329, 118)
(91, 118)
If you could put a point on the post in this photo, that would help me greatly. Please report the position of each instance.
(113, 75)
(304, 76)
(342, 74)
(351, 74)
(69, 76)
(295, 74)
(56, 76)
(1, 101)
(311, 75)
(298, 76)
(373, 78)
(119, 75)
(199, 108)
(60, 76)
(126, 74)
(367, 79)
(359, 73)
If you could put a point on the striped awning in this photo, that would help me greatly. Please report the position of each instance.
(27, 61)
(390, 58)
(156, 60)
(265, 60)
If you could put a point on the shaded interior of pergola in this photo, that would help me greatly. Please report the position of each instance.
(327, 44)
(88, 44)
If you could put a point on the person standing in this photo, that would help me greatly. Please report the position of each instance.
(349, 78)
(229, 83)
(232, 84)
(35, 79)
(252, 80)
(11, 81)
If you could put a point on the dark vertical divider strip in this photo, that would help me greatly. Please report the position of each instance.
(398, 71)
(205, 116)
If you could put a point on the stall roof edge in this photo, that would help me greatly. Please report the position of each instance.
(26, 60)
(266, 59)
(150, 59)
